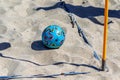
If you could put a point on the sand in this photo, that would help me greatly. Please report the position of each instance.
(21, 28)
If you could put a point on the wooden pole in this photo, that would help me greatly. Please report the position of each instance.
(105, 35)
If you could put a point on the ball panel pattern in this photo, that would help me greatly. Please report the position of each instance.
(53, 36)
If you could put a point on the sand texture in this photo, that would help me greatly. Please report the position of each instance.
(22, 51)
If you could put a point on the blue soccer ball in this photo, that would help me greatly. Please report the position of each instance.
(53, 36)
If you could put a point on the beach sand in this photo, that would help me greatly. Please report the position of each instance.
(21, 27)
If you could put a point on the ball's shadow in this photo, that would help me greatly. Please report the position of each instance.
(38, 46)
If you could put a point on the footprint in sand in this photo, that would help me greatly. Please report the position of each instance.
(113, 67)
(12, 67)
(12, 3)
(65, 29)
(3, 28)
(114, 37)
(2, 11)
(30, 10)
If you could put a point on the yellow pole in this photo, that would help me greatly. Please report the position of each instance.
(105, 35)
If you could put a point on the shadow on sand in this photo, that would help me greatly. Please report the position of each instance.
(84, 12)
(39, 46)
(4, 45)
(47, 76)
(57, 63)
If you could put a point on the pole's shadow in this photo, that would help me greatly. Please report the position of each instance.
(4, 45)
(52, 75)
(89, 12)
(57, 63)
(78, 65)
(45, 76)
(24, 60)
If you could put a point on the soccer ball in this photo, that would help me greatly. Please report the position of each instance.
(53, 36)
